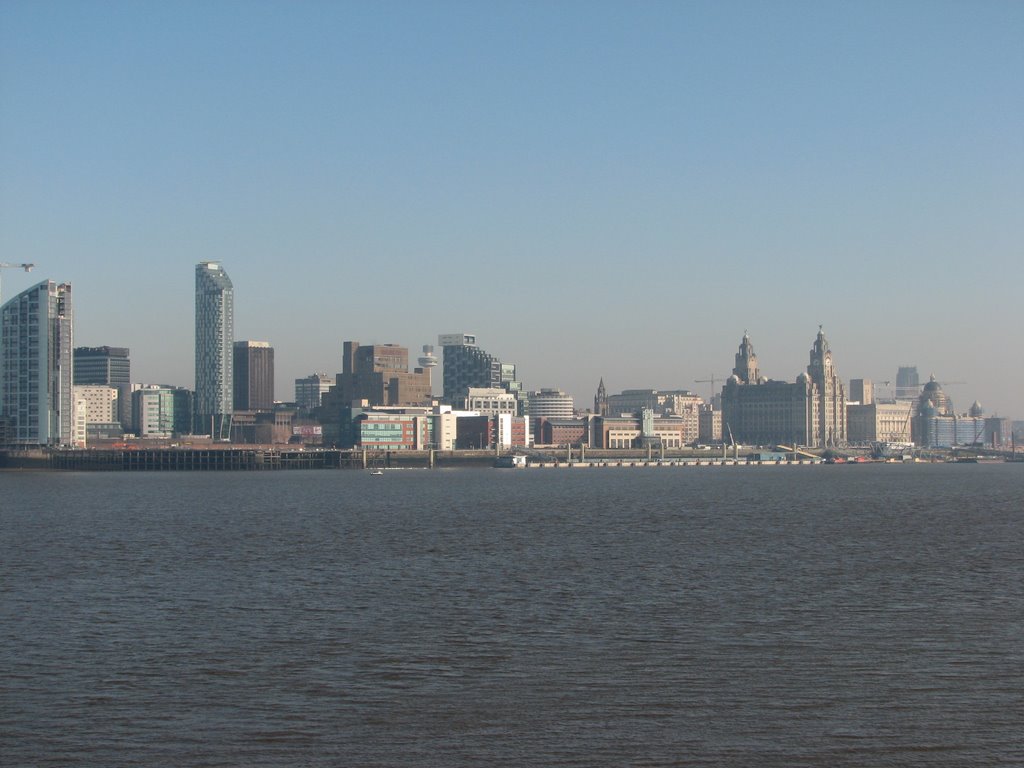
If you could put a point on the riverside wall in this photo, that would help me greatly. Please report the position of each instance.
(275, 458)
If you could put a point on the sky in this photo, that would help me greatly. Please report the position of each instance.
(594, 189)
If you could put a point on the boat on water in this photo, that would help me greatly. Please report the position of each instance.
(510, 462)
(377, 472)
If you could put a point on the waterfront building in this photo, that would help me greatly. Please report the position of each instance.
(677, 402)
(879, 422)
(253, 366)
(107, 366)
(640, 430)
(214, 331)
(562, 431)
(392, 431)
(96, 413)
(830, 416)
(466, 365)
(674, 402)
(709, 425)
(862, 391)
(37, 366)
(810, 411)
(934, 431)
(502, 430)
(161, 411)
(99, 403)
(405, 428)
(937, 425)
(488, 401)
(310, 390)
(549, 403)
(513, 431)
(267, 427)
(78, 430)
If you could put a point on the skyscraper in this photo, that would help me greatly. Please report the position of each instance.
(107, 366)
(254, 376)
(466, 365)
(908, 384)
(215, 329)
(37, 366)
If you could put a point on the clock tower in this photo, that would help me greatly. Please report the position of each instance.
(830, 408)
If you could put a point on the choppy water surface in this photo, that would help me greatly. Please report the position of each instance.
(776, 616)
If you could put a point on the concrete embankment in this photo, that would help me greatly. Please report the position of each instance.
(233, 458)
(260, 458)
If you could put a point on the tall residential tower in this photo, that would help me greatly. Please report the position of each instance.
(36, 365)
(215, 329)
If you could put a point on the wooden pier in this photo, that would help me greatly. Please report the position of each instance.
(192, 460)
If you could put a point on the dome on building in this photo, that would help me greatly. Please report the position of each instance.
(976, 410)
(933, 396)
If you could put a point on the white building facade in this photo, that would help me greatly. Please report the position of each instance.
(550, 404)
(490, 401)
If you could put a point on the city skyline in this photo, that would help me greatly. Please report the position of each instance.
(595, 191)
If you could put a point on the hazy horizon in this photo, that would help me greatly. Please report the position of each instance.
(594, 189)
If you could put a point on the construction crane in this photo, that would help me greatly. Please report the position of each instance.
(711, 381)
(5, 265)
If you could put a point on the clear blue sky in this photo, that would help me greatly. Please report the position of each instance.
(594, 189)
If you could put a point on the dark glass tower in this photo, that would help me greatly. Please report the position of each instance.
(254, 376)
(465, 365)
(108, 367)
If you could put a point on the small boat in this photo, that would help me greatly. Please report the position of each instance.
(377, 472)
(510, 462)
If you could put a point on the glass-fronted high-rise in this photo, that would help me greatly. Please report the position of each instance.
(36, 366)
(215, 330)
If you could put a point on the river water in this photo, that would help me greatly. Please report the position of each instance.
(734, 616)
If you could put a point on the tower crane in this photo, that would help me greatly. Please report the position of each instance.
(5, 265)
(711, 381)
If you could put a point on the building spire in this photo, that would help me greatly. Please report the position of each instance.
(746, 362)
(601, 400)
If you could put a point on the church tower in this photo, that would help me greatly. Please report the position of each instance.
(601, 400)
(830, 408)
(746, 362)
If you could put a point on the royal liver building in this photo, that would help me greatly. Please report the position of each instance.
(810, 411)
(830, 408)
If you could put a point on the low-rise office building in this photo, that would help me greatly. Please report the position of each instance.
(879, 422)
(160, 411)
